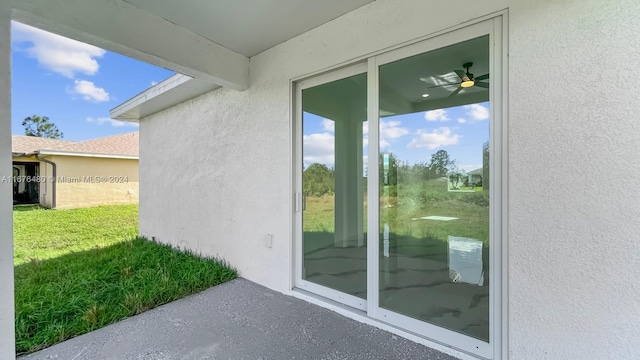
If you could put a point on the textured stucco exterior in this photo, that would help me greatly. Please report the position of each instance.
(89, 181)
(573, 249)
(235, 174)
(225, 182)
(7, 340)
(83, 181)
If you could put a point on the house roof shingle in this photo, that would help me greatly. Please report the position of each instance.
(29, 144)
(478, 171)
(117, 145)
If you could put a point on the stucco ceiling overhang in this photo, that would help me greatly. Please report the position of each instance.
(210, 41)
(248, 27)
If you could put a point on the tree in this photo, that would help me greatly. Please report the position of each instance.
(41, 127)
(456, 178)
(485, 166)
(318, 180)
(441, 164)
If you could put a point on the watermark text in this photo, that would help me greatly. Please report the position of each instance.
(98, 179)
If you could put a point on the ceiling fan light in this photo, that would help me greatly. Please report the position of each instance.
(467, 83)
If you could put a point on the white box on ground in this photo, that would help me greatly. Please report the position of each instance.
(465, 260)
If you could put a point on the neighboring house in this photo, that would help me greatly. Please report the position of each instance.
(547, 270)
(474, 177)
(26, 167)
(64, 174)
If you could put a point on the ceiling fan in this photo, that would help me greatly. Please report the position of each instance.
(468, 80)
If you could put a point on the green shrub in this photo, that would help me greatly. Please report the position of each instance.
(480, 198)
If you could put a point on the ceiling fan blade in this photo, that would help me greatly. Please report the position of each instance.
(461, 74)
(482, 77)
(482, 85)
(445, 84)
(456, 91)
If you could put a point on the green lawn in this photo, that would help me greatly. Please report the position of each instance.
(79, 270)
(44, 234)
(404, 207)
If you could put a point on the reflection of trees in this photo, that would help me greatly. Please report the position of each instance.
(441, 164)
(456, 180)
(318, 180)
(485, 166)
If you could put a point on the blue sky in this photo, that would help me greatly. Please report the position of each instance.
(461, 131)
(76, 84)
(72, 83)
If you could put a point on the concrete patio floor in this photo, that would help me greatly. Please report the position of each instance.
(238, 320)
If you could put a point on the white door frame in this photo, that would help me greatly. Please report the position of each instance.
(335, 295)
(495, 27)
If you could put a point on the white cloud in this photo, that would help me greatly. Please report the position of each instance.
(434, 139)
(328, 125)
(89, 91)
(391, 130)
(114, 123)
(436, 115)
(319, 148)
(461, 120)
(477, 112)
(57, 53)
(154, 83)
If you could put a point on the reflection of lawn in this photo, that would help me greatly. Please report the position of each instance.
(399, 212)
(415, 266)
(472, 222)
(469, 188)
(319, 214)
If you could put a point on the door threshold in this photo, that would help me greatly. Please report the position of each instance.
(361, 316)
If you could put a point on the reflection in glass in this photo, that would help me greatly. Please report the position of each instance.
(334, 240)
(434, 188)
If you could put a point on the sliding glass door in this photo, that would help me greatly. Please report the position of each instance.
(436, 206)
(333, 239)
(399, 184)
(434, 194)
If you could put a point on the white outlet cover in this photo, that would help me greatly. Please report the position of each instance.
(268, 240)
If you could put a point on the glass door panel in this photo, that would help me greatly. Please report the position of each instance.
(434, 187)
(333, 185)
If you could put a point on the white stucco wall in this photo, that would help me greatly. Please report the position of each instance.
(7, 339)
(230, 184)
(574, 251)
(216, 170)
